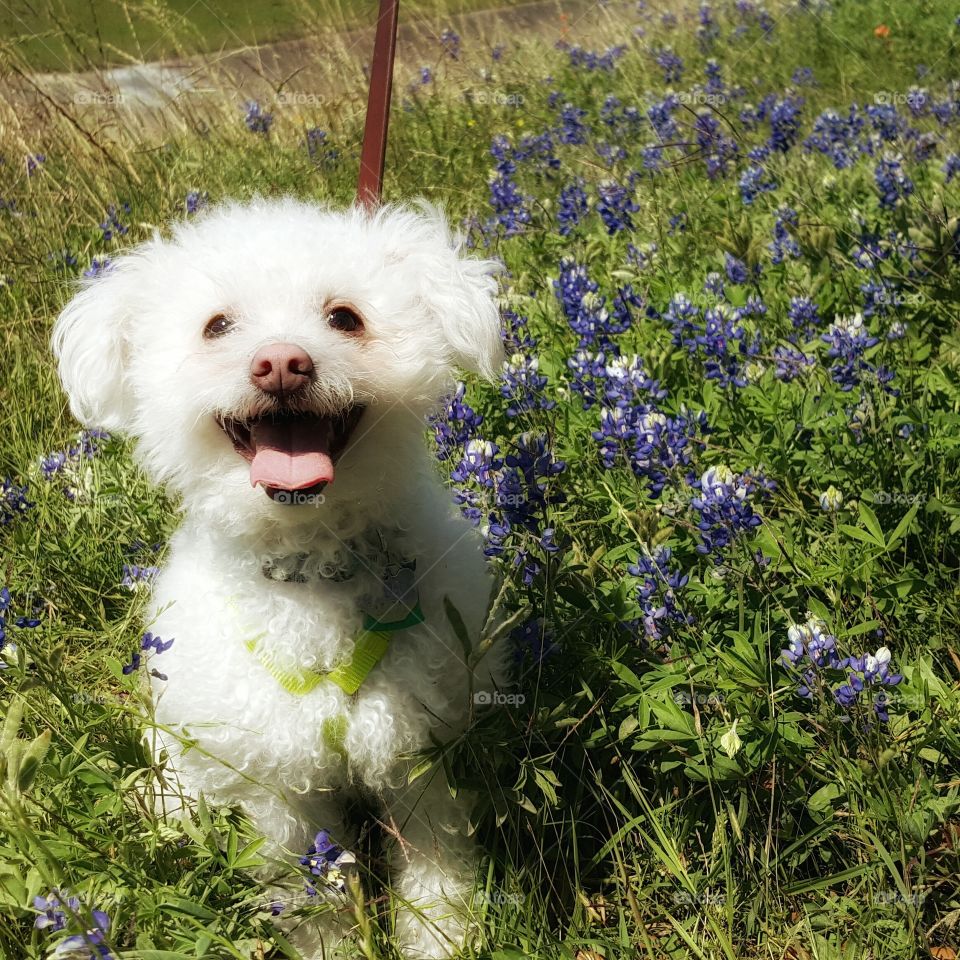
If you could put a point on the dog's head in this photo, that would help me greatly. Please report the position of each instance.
(273, 350)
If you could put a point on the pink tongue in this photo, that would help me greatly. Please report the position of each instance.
(292, 454)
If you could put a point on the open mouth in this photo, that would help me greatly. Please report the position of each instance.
(292, 451)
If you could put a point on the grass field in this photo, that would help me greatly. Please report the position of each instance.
(68, 35)
(732, 418)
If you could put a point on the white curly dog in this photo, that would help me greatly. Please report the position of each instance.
(273, 363)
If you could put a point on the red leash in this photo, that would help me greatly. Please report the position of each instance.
(374, 150)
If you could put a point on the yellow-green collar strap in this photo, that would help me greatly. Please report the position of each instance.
(368, 650)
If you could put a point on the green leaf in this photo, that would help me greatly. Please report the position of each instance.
(203, 815)
(232, 841)
(249, 855)
(627, 676)
(13, 891)
(115, 667)
(902, 526)
(865, 627)
(547, 781)
(822, 800)
(859, 534)
(189, 907)
(822, 883)
(459, 627)
(653, 737)
(573, 596)
(420, 769)
(869, 519)
(157, 955)
(902, 588)
(627, 726)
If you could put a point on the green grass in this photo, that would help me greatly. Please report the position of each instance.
(651, 798)
(63, 35)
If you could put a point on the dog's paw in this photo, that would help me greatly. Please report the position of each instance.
(325, 937)
(324, 934)
(436, 932)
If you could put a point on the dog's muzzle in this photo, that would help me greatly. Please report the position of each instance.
(289, 449)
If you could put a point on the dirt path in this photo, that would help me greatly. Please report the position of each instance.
(317, 70)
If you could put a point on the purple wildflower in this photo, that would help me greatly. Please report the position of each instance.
(725, 506)
(615, 206)
(256, 120)
(657, 593)
(13, 501)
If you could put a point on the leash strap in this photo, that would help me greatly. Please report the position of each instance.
(374, 149)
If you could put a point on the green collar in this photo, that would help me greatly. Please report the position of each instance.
(368, 650)
(402, 612)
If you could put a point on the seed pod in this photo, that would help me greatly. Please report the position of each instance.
(11, 725)
(8, 737)
(11, 757)
(32, 758)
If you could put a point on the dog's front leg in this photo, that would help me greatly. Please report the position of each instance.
(290, 826)
(433, 869)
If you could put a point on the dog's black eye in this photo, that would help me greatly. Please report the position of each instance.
(344, 320)
(216, 327)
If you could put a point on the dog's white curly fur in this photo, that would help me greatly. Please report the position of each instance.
(133, 360)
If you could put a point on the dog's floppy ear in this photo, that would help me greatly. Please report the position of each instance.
(89, 342)
(467, 311)
(460, 293)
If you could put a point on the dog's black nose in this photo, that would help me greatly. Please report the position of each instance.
(281, 368)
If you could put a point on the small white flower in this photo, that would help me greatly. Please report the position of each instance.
(620, 368)
(479, 451)
(898, 329)
(649, 421)
(831, 500)
(714, 478)
(614, 414)
(730, 742)
(592, 300)
(518, 361)
(10, 650)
